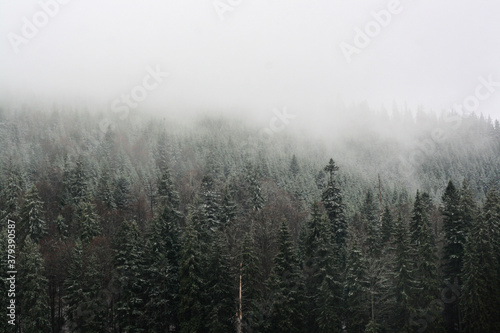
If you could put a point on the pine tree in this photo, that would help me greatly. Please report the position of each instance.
(320, 268)
(373, 236)
(121, 194)
(211, 203)
(220, 288)
(130, 272)
(78, 182)
(86, 306)
(166, 190)
(387, 228)
(294, 167)
(251, 292)
(163, 257)
(480, 292)
(31, 215)
(288, 290)
(356, 288)
(191, 282)
(105, 188)
(87, 220)
(403, 283)
(454, 241)
(332, 200)
(425, 271)
(33, 286)
(11, 193)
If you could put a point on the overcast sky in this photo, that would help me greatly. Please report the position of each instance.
(252, 56)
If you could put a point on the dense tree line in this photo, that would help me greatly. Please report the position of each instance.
(143, 227)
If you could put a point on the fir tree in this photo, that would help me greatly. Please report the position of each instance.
(33, 286)
(130, 271)
(332, 200)
(387, 228)
(294, 167)
(191, 282)
(163, 251)
(87, 220)
(480, 292)
(33, 224)
(211, 203)
(219, 288)
(166, 191)
(288, 291)
(251, 293)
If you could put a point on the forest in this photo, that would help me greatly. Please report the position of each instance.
(152, 225)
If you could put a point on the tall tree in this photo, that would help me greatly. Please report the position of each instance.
(32, 221)
(288, 290)
(333, 202)
(33, 286)
(191, 282)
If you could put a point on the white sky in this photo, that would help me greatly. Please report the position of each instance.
(264, 54)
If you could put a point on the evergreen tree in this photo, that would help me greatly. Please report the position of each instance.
(480, 292)
(163, 251)
(78, 182)
(219, 288)
(191, 282)
(332, 200)
(33, 224)
(288, 290)
(87, 220)
(86, 307)
(11, 193)
(166, 189)
(105, 188)
(454, 241)
(403, 283)
(373, 236)
(211, 203)
(356, 288)
(33, 286)
(130, 271)
(251, 293)
(387, 228)
(121, 195)
(294, 166)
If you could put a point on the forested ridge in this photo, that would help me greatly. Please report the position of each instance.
(148, 225)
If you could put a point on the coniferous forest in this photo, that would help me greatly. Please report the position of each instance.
(148, 225)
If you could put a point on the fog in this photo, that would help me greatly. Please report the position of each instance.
(246, 58)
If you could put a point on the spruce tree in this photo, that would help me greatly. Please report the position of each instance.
(356, 288)
(480, 291)
(167, 194)
(191, 313)
(87, 220)
(31, 213)
(130, 273)
(163, 255)
(294, 166)
(403, 284)
(333, 203)
(251, 293)
(387, 228)
(33, 286)
(288, 291)
(220, 288)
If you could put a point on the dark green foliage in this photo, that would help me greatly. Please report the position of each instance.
(32, 286)
(162, 267)
(84, 297)
(130, 276)
(87, 220)
(387, 228)
(479, 275)
(191, 282)
(294, 166)
(31, 213)
(220, 288)
(334, 206)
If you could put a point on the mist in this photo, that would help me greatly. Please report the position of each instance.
(244, 59)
